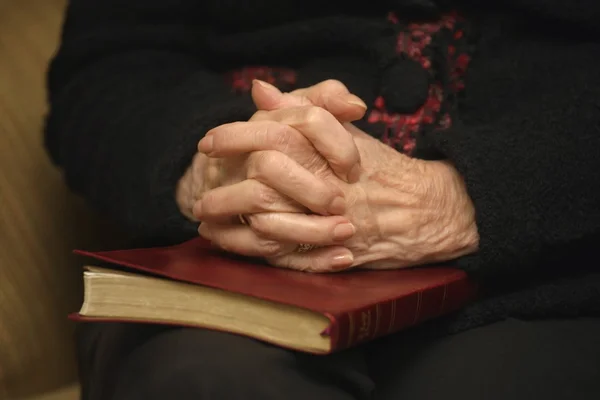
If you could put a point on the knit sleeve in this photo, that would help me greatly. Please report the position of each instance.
(528, 147)
(129, 100)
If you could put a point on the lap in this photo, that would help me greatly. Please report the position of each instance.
(510, 359)
(131, 362)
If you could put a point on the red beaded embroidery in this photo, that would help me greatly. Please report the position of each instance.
(241, 80)
(401, 129)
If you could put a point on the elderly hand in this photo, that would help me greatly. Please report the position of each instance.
(206, 173)
(268, 165)
(405, 211)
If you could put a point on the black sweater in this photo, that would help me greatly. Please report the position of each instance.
(510, 94)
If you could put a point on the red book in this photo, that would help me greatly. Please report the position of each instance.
(193, 284)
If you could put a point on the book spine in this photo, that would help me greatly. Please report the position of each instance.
(362, 325)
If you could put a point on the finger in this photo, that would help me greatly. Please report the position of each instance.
(268, 97)
(335, 97)
(325, 259)
(238, 138)
(247, 197)
(289, 178)
(240, 239)
(302, 228)
(329, 86)
(331, 95)
(327, 135)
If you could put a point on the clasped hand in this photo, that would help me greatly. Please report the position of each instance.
(302, 174)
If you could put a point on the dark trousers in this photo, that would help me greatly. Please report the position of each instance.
(512, 359)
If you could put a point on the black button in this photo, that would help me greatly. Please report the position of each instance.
(404, 86)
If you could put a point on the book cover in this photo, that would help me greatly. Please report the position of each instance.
(361, 305)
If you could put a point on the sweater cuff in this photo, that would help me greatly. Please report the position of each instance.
(508, 243)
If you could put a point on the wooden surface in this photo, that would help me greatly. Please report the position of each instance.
(40, 222)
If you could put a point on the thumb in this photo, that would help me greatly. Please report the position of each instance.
(331, 95)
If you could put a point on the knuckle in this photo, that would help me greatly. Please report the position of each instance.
(347, 155)
(333, 85)
(272, 160)
(266, 197)
(270, 248)
(316, 115)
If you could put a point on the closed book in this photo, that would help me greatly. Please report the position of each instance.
(193, 284)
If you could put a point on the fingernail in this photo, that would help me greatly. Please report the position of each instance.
(342, 261)
(356, 101)
(267, 86)
(337, 206)
(343, 231)
(206, 144)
